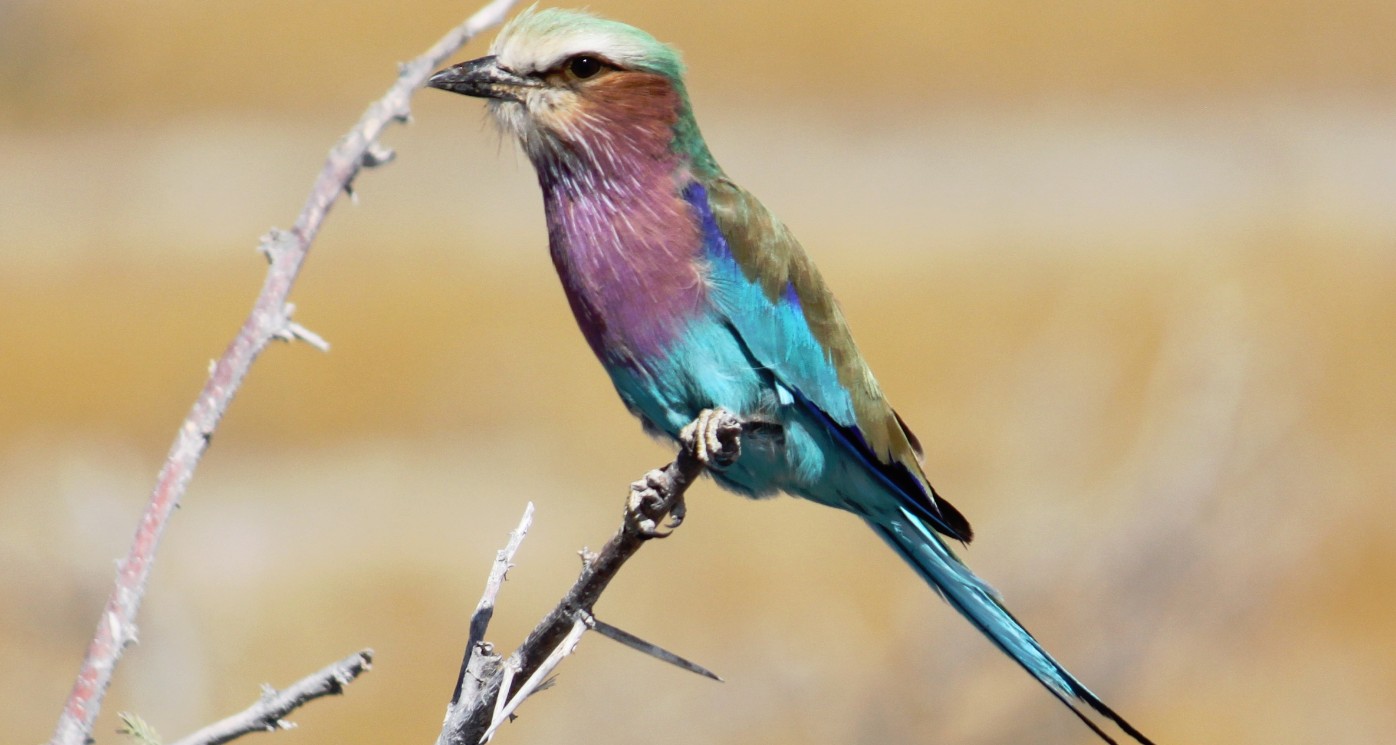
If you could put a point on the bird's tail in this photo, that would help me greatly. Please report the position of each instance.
(979, 603)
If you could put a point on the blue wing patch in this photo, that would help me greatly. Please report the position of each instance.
(777, 336)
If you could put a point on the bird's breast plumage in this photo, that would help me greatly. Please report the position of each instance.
(628, 251)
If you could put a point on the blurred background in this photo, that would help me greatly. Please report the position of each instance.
(1129, 270)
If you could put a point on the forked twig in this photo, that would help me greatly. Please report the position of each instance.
(268, 714)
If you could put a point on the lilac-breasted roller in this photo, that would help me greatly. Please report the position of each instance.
(696, 298)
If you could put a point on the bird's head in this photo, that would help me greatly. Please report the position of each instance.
(580, 91)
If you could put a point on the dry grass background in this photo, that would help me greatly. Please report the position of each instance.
(1129, 270)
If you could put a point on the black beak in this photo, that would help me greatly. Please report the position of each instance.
(482, 78)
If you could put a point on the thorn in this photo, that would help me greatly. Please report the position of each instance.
(377, 155)
(640, 645)
(294, 331)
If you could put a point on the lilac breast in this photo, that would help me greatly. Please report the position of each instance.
(628, 250)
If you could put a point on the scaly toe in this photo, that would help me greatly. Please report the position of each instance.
(725, 439)
(643, 507)
(714, 438)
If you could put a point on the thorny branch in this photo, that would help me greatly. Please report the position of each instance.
(270, 319)
(267, 715)
(485, 610)
(490, 689)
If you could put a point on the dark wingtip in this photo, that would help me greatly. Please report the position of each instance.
(954, 523)
(911, 437)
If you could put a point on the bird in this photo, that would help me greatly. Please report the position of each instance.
(697, 299)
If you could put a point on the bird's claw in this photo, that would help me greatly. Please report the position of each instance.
(677, 513)
(714, 438)
(645, 507)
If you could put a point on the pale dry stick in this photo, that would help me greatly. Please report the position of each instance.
(270, 319)
(506, 683)
(476, 649)
(535, 682)
(268, 714)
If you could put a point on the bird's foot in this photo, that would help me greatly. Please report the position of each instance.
(647, 505)
(714, 438)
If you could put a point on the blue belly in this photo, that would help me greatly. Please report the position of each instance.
(709, 367)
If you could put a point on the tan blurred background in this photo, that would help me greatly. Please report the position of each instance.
(1129, 269)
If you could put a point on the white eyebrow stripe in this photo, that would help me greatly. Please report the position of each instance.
(530, 53)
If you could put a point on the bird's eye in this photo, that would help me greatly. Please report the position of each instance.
(583, 67)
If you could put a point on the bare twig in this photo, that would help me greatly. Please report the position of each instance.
(267, 714)
(480, 711)
(476, 650)
(270, 319)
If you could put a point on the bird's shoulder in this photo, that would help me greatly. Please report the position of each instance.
(771, 258)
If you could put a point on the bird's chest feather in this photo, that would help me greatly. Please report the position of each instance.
(630, 259)
(636, 273)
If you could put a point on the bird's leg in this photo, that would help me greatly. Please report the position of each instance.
(714, 438)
